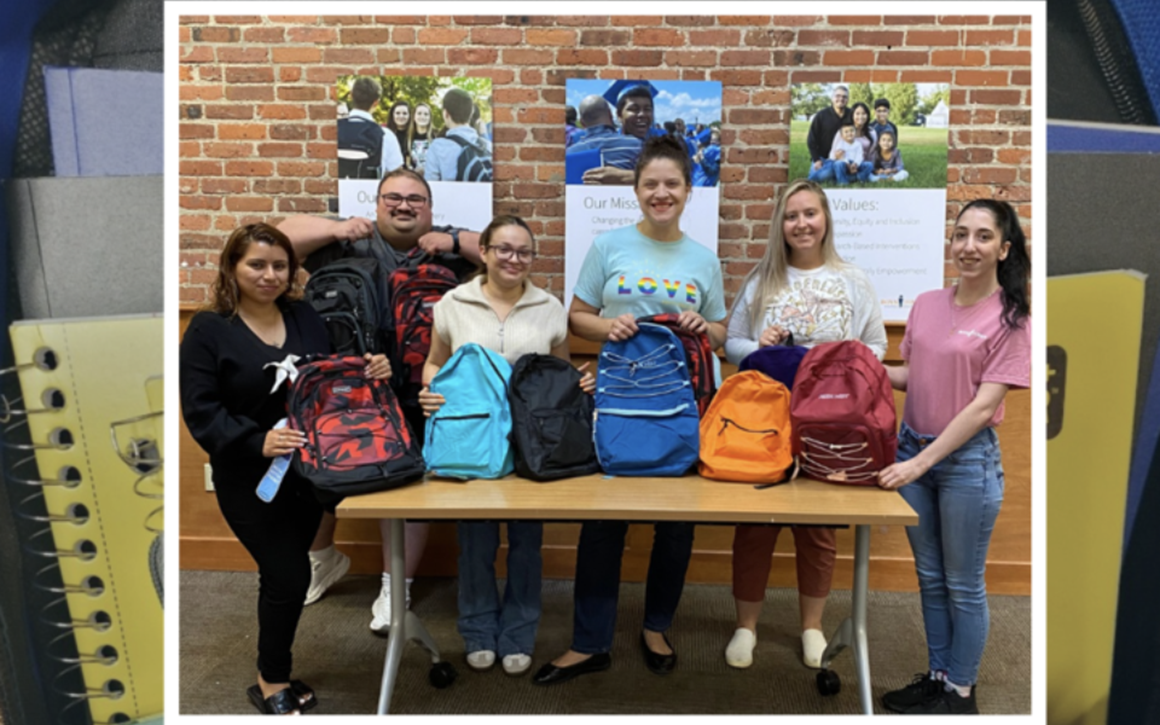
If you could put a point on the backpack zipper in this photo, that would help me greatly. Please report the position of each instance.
(1117, 62)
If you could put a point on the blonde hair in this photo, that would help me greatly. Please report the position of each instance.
(770, 272)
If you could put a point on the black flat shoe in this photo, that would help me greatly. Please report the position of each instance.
(305, 695)
(658, 664)
(550, 674)
(282, 702)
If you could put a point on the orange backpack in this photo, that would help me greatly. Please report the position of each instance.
(745, 434)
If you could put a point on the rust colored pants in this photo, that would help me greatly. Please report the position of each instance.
(753, 557)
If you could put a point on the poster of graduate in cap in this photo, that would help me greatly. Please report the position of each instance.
(440, 128)
(607, 124)
(880, 151)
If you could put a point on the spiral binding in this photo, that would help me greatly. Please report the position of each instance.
(143, 457)
(25, 472)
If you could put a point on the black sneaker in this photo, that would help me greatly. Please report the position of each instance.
(922, 688)
(948, 702)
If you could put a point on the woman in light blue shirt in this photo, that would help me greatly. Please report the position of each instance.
(644, 269)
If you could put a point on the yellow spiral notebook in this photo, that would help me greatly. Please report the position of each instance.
(92, 389)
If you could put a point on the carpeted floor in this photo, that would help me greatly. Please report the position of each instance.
(342, 659)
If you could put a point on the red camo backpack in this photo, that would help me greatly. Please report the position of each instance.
(698, 356)
(415, 288)
(357, 440)
(842, 410)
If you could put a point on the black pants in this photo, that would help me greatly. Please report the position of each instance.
(278, 536)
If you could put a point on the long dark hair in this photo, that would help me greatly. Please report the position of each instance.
(224, 291)
(865, 130)
(1013, 271)
(663, 147)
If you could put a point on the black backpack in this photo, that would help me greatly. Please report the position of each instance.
(551, 420)
(351, 297)
(474, 162)
(364, 137)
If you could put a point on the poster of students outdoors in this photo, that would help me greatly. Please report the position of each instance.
(439, 127)
(607, 122)
(880, 149)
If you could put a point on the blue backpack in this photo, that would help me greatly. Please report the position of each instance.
(646, 416)
(470, 436)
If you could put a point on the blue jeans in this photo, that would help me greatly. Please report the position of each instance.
(957, 502)
(825, 173)
(598, 580)
(843, 175)
(484, 623)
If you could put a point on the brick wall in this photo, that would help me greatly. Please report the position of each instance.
(257, 130)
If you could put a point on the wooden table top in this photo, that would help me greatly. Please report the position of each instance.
(690, 498)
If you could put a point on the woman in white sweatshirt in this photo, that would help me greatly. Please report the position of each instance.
(803, 288)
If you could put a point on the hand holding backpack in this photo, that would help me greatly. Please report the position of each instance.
(551, 420)
(356, 438)
(698, 356)
(646, 421)
(351, 297)
(470, 435)
(843, 416)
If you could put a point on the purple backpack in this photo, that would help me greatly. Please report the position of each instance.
(779, 362)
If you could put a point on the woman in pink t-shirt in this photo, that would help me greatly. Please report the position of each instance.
(964, 347)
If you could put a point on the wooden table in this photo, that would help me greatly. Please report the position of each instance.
(600, 497)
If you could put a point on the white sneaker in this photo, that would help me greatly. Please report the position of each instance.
(739, 653)
(813, 647)
(481, 660)
(326, 568)
(517, 664)
(381, 609)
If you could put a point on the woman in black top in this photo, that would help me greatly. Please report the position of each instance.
(230, 405)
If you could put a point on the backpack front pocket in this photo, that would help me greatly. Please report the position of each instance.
(459, 441)
(644, 442)
(839, 454)
(735, 442)
(565, 437)
(352, 438)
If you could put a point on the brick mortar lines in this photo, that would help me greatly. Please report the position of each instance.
(741, 220)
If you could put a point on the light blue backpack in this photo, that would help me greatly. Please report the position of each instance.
(470, 436)
(646, 415)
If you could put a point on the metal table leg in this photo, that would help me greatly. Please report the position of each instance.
(397, 637)
(861, 587)
(405, 624)
(852, 631)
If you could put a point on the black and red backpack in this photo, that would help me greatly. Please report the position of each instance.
(698, 356)
(357, 440)
(414, 288)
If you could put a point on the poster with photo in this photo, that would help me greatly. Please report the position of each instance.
(441, 128)
(880, 151)
(607, 124)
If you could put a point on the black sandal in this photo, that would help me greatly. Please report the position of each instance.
(282, 702)
(305, 695)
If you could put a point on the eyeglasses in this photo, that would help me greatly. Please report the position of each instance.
(525, 256)
(415, 200)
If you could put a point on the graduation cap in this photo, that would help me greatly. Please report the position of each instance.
(617, 89)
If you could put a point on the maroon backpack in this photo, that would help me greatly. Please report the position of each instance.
(842, 412)
(415, 288)
(356, 438)
(698, 356)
